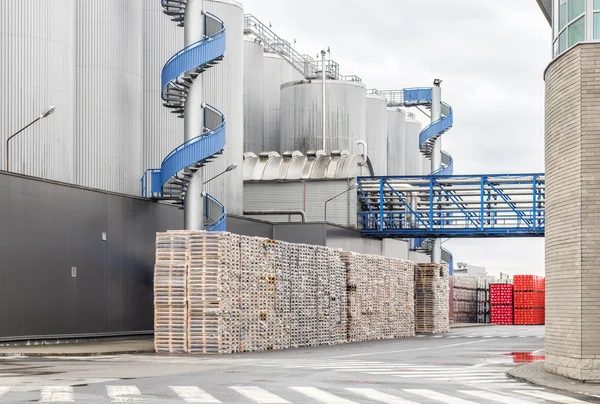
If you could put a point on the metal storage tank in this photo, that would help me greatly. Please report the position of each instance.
(254, 66)
(224, 85)
(396, 142)
(163, 132)
(414, 158)
(376, 134)
(109, 88)
(277, 71)
(37, 43)
(301, 115)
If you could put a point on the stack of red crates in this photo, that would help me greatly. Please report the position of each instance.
(501, 303)
(530, 299)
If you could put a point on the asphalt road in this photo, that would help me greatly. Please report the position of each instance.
(465, 366)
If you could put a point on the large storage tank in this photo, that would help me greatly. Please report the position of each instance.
(414, 158)
(396, 142)
(277, 71)
(254, 66)
(109, 87)
(301, 115)
(376, 134)
(224, 86)
(163, 132)
(37, 43)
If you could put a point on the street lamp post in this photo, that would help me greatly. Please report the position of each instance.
(353, 186)
(44, 114)
(228, 169)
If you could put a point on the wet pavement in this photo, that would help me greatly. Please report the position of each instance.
(466, 365)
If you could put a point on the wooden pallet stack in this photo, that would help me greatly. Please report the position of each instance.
(170, 293)
(431, 298)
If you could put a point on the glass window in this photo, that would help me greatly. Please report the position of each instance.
(596, 25)
(562, 14)
(577, 32)
(576, 8)
(596, 4)
(562, 42)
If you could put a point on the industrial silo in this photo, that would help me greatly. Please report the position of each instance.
(37, 43)
(301, 115)
(376, 133)
(414, 157)
(224, 85)
(163, 131)
(396, 142)
(109, 88)
(254, 66)
(277, 71)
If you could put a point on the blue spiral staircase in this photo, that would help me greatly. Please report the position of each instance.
(169, 183)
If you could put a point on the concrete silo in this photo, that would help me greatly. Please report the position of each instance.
(413, 156)
(254, 66)
(396, 142)
(376, 133)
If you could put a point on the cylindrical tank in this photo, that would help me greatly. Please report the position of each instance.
(163, 132)
(37, 44)
(301, 115)
(254, 66)
(396, 142)
(109, 88)
(224, 89)
(276, 72)
(376, 134)
(414, 158)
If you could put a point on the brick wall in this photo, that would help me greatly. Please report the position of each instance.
(572, 206)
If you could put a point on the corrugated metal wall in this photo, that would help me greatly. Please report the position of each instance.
(254, 123)
(109, 94)
(37, 44)
(376, 134)
(301, 115)
(309, 196)
(224, 85)
(396, 142)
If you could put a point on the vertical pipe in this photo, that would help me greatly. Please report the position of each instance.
(323, 53)
(436, 115)
(381, 204)
(436, 253)
(194, 117)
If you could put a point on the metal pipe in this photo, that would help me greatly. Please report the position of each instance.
(278, 212)
(323, 53)
(365, 151)
(436, 115)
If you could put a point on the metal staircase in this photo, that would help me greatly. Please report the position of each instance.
(171, 181)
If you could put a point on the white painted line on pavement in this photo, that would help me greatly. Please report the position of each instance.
(544, 395)
(432, 395)
(413, 350)
(322, 396)
(486, 395)
(259, 395)
(57, 394)
(119, 394)
(4, 390)
(376, 395)
(193, 394)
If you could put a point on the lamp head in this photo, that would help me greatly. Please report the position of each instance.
(437, 82)
(49, 111)
(231, 167)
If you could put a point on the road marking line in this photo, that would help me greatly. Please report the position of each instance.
(120, 394)
(4, 390)
(448, 373)
(193, 394)
(322, 396)
(376, 395)
(432, 395)
(473, 379)
(57, 393)
(549, 396)
(454, 336)
(412, 350)
(486, 395)
(259, 395)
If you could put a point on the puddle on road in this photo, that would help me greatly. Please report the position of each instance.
(525, 357)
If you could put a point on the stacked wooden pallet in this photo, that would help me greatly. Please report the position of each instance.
(431, 298)
(380, 297)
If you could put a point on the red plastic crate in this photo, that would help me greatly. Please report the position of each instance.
(529, 316)
(501, 293)
(502, 314)
(529, 283)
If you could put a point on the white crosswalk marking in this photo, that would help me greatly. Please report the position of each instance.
(4, 390)
(486, 395)
(376, 395)
(259, 395)
(322, 396)
(432, 395)
(119, 394)
(193, 394)
(57, 394)
(549, 396)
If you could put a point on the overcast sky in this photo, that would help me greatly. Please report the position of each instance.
(491, 55)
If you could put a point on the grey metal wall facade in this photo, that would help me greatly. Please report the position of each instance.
(48, 228)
